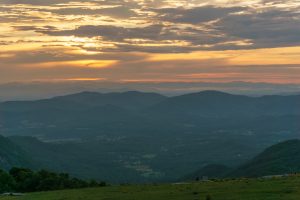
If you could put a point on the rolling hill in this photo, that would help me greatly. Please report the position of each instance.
(278, 159)
(79, 160)
(12, 155)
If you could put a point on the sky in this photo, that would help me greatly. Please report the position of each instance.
(150, 41)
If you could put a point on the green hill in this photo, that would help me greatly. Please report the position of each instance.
(81, 161)
(12, 155)
(279, 159)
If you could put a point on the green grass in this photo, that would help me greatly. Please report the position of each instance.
(255, 189)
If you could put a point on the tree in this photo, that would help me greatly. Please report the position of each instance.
(26, 180)
(7, 183)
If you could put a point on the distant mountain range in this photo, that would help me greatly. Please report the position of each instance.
(221, 105)
(140, 137)
(137, 112)
(40, 90)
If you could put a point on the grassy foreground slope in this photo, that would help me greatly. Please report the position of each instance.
(254, 189)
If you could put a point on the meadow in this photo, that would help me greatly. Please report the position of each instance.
(287, 188)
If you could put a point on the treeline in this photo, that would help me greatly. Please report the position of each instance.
(26, 180)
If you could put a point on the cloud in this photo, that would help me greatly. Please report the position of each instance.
(152, 38)
(4, 43)
(31, 59)
(272, 28)
(115, 12)
(35, 28)
(136, 26)
(35, 2)
(196, 15)
(72, 36)
(108, 32)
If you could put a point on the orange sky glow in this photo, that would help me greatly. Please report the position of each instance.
(153, 40)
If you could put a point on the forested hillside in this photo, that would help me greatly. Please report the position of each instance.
(280, 159)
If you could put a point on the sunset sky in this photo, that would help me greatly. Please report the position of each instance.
(150, 40)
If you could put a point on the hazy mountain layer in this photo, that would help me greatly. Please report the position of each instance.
(138, 137)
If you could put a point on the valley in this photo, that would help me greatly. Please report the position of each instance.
(136, 137)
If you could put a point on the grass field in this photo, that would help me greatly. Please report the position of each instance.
(275, 189)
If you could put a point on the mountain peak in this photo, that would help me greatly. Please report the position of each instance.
(213, 92)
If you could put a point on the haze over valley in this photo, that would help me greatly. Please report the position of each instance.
(145, 137)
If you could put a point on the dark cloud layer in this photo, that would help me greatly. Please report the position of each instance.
(35, 2)
(109, 32)
(122, 12)
(207, 27)
(272, 28)
(196, 15)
